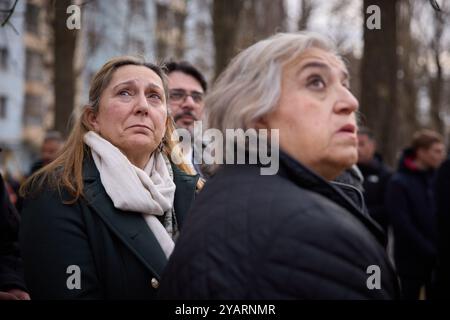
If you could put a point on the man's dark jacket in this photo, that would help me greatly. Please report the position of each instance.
(286, 236)
(442, 193)
(411, 208)
(376, 177)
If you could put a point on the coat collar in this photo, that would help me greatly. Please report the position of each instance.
(131, 228)
(184, 193)
(302, 176)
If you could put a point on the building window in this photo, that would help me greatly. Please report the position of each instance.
(32, 18)
(34, 66)
(33, 111)
(3, 105)
(3, 58)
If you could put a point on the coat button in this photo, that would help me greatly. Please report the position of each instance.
(155, 283)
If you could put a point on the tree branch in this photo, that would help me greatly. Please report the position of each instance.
(10, 12)
(435, 5)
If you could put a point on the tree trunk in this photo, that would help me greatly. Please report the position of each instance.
(238, 24)
(260, 19)
(379, 79)
(436, 82)
(306, 8)
(407, 82)
(170, 31)
(63, 71)
(225, 28)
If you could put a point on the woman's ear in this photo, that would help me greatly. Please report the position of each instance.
(261, 123)
(91, 118)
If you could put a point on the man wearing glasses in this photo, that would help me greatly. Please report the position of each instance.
(187, 89)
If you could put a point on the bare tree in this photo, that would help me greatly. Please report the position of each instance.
(225, 29)
(408, 49)
(338, 23)
(258, 20)
(8, 14)
(237, 24)
(338, 26)
(437, 81)
(306, 9)
(379, 78)
(64, 77)
(430, 36)
(170, 30)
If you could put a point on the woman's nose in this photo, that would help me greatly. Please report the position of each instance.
(346, 102)
(142, 105)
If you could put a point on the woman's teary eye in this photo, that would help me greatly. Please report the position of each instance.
(154, 95)
(124, 93)
(316, 82)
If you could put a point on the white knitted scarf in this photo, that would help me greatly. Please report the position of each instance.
(150, 191)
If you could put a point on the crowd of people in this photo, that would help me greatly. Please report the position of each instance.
(112, 212)
(406, 205)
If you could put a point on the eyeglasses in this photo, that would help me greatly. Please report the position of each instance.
(178, 95)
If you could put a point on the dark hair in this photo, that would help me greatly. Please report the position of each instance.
(187, 68)
(367, 132)
(425, 138)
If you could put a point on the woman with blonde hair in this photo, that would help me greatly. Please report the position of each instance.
(100, 221)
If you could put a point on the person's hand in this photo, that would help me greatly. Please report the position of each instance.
(14, 294)
(20, 294)
(7, 296)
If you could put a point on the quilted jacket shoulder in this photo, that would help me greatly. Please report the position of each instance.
(250, 236)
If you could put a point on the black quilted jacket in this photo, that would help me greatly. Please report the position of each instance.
(286, 236)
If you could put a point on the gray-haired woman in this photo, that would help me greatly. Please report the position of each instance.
(292, 235)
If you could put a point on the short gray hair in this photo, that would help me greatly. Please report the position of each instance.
(250, 87)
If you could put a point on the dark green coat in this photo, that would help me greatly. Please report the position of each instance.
(118, 255)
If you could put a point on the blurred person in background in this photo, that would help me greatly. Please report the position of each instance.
(376, 176)
(411, 209)
(12, 284)
(442, 194)
(50, 148)
(187, 89)
(12, 175)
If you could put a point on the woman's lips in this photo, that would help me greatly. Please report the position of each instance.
(348, 128)
(143, 126)
(348, 132)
